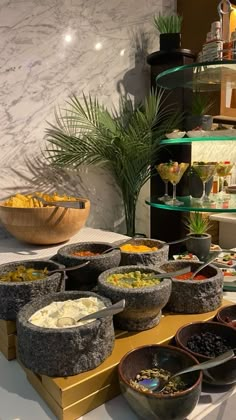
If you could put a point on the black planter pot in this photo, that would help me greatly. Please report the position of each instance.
(170, 42)
(199, 245)
(203, 121)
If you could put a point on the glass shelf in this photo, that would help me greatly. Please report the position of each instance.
(185, 140)
(191, 204)
(206, 76)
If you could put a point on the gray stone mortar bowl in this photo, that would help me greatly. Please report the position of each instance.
(154, 258)
(14, 295)
(143, 305)
(195, 296)
(61, 352)
(86, 278)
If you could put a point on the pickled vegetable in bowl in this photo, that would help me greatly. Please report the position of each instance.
(22, 274)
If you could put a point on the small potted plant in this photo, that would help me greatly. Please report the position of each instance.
(169, 28)
(199, 241)
(199, 118)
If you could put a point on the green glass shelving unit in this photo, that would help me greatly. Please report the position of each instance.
(191, 204)
(207, 76)
(198, 139)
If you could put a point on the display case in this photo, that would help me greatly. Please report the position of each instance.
(203, 77)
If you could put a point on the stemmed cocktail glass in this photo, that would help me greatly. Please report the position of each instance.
(223, 169)
(163, 172)
(173, 173)
(205, 171)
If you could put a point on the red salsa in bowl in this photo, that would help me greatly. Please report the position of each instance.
(187, 276)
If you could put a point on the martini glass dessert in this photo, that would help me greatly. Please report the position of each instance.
(173, 173)
(163, 172)
(205, 170)
(223, 169)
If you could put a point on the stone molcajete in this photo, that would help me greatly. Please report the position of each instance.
(154, 258)
(195, 296)
(14, 295)
(63, 351)
(143, 305)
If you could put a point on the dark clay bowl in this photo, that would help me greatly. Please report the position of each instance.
(159, 406)
(224, 374)
(86, 278)
(14, 295)
(142, 305)
(63, 351)
(195, 296)
(226, 315)
(154, 258)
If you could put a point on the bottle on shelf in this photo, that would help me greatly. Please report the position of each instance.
(233, 41)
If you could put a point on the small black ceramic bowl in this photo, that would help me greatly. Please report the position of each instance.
(226, 315)
(143, 305)
(224, 374)
(154, 258)
(159, 406)
(86, 278)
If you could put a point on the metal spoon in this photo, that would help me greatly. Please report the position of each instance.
(159, 276)
(67, 204)
(111, 310)
(61, 270)
(158, 384)
(209, 259)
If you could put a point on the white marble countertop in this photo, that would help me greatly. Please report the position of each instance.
(224, 217)
(18, 399)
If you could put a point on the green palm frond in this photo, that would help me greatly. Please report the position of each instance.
(125, 140)
(168, 24)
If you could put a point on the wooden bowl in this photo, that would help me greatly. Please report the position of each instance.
(43, 225)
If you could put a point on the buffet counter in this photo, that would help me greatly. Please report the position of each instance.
(18, 399)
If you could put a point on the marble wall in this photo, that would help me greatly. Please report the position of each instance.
(50, 48)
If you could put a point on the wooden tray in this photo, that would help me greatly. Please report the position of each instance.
(72, 397)
(7, 339)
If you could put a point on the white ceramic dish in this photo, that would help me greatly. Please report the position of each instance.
(197, 133)
(226, 259)
(175, 134)
(229, 279)
(186, 257)
(231, 132)
(215, 247)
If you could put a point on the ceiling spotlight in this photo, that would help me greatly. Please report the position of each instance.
(98, 46)
(68, 38)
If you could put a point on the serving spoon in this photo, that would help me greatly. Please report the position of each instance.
(111, 310)
(158, 384)
(67, 203)
(209, 259)
(62, 270)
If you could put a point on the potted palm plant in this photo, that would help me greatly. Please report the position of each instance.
(199, 118)
(199, 241)
(169, 28)
(126, 141)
